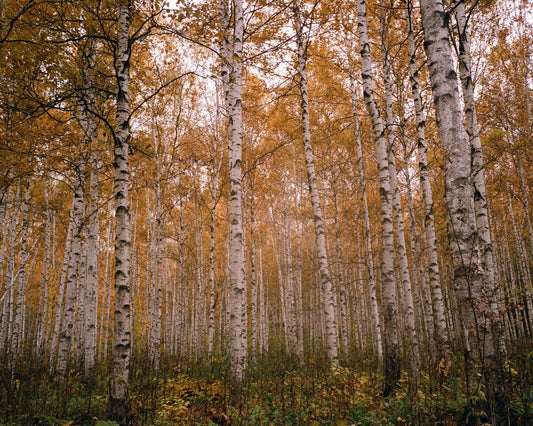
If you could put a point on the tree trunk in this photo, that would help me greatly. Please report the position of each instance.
(341, 284)
(157, 270)
(519, 278)
(297, 271)
(388, 282)
(253, 278)
(496, 356)
(197, 317)
(66, 335)
(473, 288)
(8, 243)
(369, 261)
(292, 333)
(212, 301)
(42, 316)
(423, 305)
(527, 98)
(119, 407)
(441, 335)
(62, 290)
(405, 279)
(106, 296)
(78, 334)
(231, 52)
(181, 312)
(20, 301)
(263, 312)
(328, 295)
(91, 133)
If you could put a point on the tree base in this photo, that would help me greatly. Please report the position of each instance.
(237, 393)
(391, 372)
(119, 411)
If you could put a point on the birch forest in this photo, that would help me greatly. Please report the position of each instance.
(266, 212)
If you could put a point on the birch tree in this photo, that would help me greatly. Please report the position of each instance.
(119, 408)
(215, 197)
(90, 130)
(414, 353)
(42, 313)
(497, 356)
(66, 335)
(326, 286)
(8, 247)
(155, 305)
(441, 335)
(61, 291)
(232, 29)
(253, 274)
(473, 288)
(391, 349)
(368, 259)
(20, 301)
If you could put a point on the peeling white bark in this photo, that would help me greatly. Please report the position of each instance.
(441, 335)
(473, 286)
(369, 260)
(390, 333)
(405, 279)
(66, 335)
(231, 52)
(118, 401)
(326, 286)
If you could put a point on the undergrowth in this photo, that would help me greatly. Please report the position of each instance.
(277, 392)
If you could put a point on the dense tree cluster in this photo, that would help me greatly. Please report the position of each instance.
(195, 180)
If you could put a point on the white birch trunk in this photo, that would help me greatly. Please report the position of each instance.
(291, 336)
(423, 305)
(78, 334)
(197, 329)
(369, 261)
(480, 197)
(263, 312)
(66, 336)
(91, 133)
(212, 302)
(253, 279)
(20, 302)
(391, 362)
(341, 286)
(42, 316)
(4, 195)
(279, 256)
(181, 317)
(106, 297)
(118, 408)
(133, 274)
(405, 279)
(328, 295)
(283, 303)
(298, 270)
(9, 281)
(157, 266)
(61, 291)
(497, 356)
(525, 58)
(473, 286)
(519, 278)
(298, 291)
(231, 52)
(441, 335)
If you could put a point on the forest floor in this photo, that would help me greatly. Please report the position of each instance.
(277, 392)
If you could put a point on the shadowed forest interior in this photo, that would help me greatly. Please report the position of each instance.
(266, 212)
